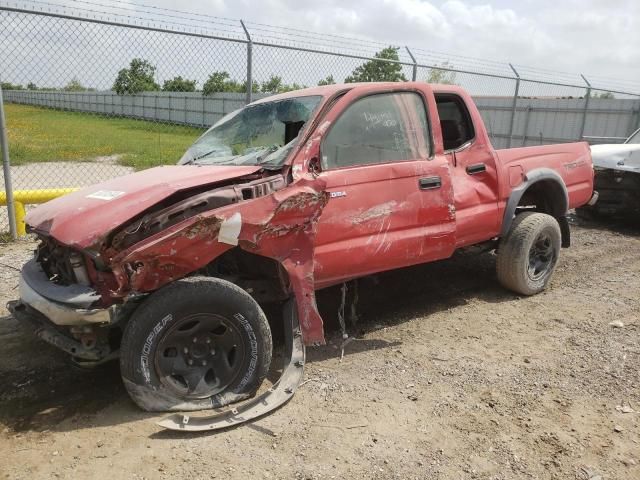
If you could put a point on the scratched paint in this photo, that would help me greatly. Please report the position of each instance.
(374, 213)
(383, 214)
(204, 227)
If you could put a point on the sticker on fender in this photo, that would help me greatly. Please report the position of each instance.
(230, 229)
(105, 194)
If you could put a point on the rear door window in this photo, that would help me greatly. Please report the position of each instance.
(455, 121)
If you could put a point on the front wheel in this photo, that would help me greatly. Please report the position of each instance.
(198, 343)
(528, 254)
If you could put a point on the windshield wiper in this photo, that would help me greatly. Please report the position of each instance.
(257, 156)
(203, 155)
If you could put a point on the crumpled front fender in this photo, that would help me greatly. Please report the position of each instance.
(281, 226)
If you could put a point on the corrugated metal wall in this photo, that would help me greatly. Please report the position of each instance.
(556, 120)
(190, 108)
(537, 120)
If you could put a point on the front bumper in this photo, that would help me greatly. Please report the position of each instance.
(62, 305)
(619, 193)
(51, 310)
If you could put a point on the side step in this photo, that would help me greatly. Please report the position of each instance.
(279, 394)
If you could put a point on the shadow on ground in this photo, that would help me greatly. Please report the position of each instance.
(628, 226)
(40, 388)
(41, 391)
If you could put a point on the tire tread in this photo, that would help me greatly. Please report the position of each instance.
(156, 397)
(515, 246)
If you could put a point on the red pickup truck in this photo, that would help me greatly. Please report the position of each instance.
(167, 268)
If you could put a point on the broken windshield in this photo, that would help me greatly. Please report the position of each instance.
(259, 134)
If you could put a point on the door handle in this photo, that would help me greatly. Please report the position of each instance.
(477, 168)
(430, 183)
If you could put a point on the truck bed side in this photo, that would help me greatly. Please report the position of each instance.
(571, 161)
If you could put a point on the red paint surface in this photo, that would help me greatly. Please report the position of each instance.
(78, 221)
(380, 220)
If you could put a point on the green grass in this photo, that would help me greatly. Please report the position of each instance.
(43, 135)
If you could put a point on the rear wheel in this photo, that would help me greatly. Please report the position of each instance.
(197, 343)
(528, 254)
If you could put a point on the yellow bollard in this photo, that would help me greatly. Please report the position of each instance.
(21, 227)
(30, 197)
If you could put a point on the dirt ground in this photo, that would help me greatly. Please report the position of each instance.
(451, 377)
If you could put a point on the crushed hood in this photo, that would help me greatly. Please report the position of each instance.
(624, 157)
(84, 217)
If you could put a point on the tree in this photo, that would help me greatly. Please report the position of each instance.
(222, 82)
(379, 70)
(255, 86)
(215, 83)
(444, 77)
(604, 95)
(11, 86)
(273, 85)
(327, 81)
(139, 77)
(32, 86)
(74, 85)
(179, 84)
(291, 87)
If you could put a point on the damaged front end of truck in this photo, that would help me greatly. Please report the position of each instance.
(233, 210)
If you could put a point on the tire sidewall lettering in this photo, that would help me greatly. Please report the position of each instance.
(147, 347)
(253, 351)
(162, 311)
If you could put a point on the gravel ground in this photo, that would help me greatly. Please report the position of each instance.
(451, 377)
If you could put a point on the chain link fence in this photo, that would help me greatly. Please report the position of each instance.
(92, 93)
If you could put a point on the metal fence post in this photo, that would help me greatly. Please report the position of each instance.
(204, 111)
(6, 167)
(249, 63)
(526, 125)
(586, 107)
(414, 74)
(514, 105)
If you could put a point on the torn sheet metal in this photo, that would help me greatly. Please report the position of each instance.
(281, 226)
